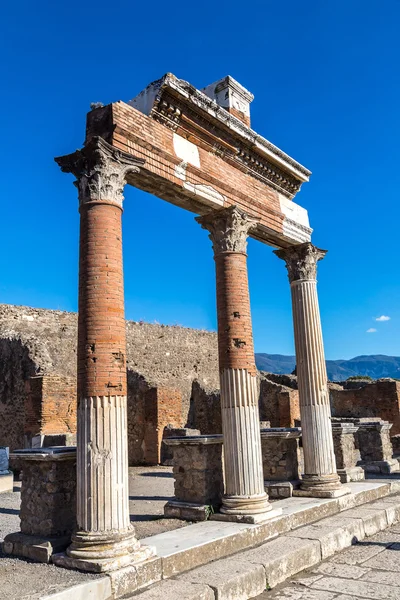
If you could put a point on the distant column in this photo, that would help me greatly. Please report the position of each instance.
(244, 481)
(105, 539)
(320, 478)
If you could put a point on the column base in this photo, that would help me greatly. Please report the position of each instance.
(100, 553)
(328, 486)
(245, 509)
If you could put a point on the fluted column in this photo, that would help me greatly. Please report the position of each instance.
(105, 539)
(320, 478)
(244, 481)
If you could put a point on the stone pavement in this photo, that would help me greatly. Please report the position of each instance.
(369, 570)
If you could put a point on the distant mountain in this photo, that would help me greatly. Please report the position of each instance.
(376, 366)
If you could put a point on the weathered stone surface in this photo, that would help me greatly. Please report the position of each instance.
(374, 441)
(132, 578)
(284, 557)
(232, 579)
(37, 548)
(48, 496)
(373, 520)
(174, 589)
(332, 539)
(279, 400)
(360, 589)
(198, 469)
(280, 454)
(4, 453)
(6, 482)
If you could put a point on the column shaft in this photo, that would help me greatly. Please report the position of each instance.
(105, 539)
(319, 457)
(244, 480)
(320, 477)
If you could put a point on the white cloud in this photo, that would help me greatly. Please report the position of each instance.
(371, 330)
(382, 318)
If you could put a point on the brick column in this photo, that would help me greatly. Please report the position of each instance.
(244, 481)
(320, 478)
(105, 539)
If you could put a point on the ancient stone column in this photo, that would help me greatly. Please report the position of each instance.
(244, 481)
(105, 539)
(320, 478)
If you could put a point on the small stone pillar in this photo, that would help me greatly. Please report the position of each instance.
(105, 538)
(281, 460)
(48, 502)
(199, 483)
(6, 476)
(320, 478)
(245, 495)
(345, 452)
(375, 446)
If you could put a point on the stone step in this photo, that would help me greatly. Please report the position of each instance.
(251, 572)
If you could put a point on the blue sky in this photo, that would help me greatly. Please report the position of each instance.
(326, 82)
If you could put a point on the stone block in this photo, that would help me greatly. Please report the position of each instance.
(39, 549)
(332, 539)
(351, 474)
(284, 557)
(135, 577)
(187, 511)
(374, 519)
(374, 440)
(281, 489)
(231, 579)
(280, 453)
(382, 466)
(177, 589)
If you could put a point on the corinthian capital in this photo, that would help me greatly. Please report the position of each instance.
(229, 228)
(301, 260)
(100, 171)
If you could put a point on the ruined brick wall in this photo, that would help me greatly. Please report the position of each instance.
(163, 406)
(378, 399)
(38, 341)
(50, 405)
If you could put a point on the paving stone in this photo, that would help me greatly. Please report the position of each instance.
(358, 554)
(340, 570)
(298, 594)
(307, 581)
(177, 589)
(386, 577)
(232, 579)
(388, 560)
(362, 589)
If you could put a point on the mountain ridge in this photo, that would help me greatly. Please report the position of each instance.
(373, 365)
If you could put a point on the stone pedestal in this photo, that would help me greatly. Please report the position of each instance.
(375, 447)
(320, 478)
(345, 452)
(167, 450)
(6, 476)
(281, 460)
(245, 495)
(48, 497)
(199, 484)
(105, 538)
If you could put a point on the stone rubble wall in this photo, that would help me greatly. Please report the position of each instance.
(379, 399)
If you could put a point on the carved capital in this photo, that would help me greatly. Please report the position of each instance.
(301, 260)
(100, 171)
(229, 228)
